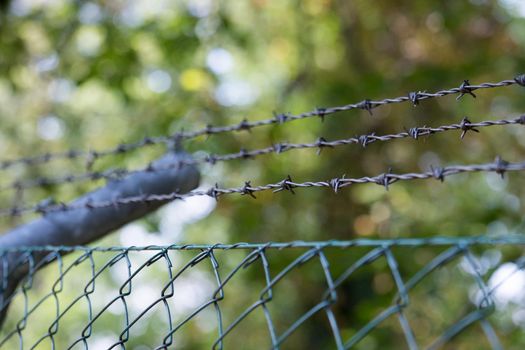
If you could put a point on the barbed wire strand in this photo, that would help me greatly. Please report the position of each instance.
(364, 140)
(245, 125)
(499, 166)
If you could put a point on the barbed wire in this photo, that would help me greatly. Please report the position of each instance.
(499, 166)
(245, 125)
(367, 105)
(364, 140)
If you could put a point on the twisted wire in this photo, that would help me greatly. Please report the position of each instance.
(364, 140)
(499, 166)
(367, 104)
(245, 125)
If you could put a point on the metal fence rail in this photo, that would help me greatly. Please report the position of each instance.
(54, 299)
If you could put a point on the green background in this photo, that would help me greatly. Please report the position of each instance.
(90, 75)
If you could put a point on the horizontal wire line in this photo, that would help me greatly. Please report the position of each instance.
(498, 166)
(363, 140)
(513, 239)
(366, 104)
(369, 105)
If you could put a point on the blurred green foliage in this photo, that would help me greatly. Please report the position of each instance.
(89, 75)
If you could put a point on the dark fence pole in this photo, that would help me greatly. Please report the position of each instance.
(84, 224)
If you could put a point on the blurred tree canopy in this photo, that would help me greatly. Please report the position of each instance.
(92, 74)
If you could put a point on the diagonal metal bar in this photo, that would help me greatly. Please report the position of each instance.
(88, 224)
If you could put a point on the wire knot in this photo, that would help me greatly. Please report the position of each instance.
(286, 185)
(500, 166)
(248, 190)
(320, 112)
(244, 154)
(520, 79)
(414, 132)
(464, 89)
(208, 129)
(245, 125)
(95, 175)
(336, 183)
(364, 140)
(121, 148)
(280, 147)
(385, 179)
(43, 206)
(281, 117)
(211, 159)
(365, 105)
(414, 97)
(214, 192)
(466, 125)
(321, 142)
(438, 173)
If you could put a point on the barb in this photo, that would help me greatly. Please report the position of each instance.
(413, 97)
(368, 105)
(363, 140)
(499, 166)
(90, 156)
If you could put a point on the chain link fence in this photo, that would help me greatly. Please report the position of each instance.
(270, 295)
(255, 295)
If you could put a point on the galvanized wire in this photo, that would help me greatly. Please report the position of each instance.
(219, 302)
(499, 166)
(246, 125)
(367, 105)
(321, 143)
(255, 253)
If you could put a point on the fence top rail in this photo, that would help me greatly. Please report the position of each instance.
(512, 239)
